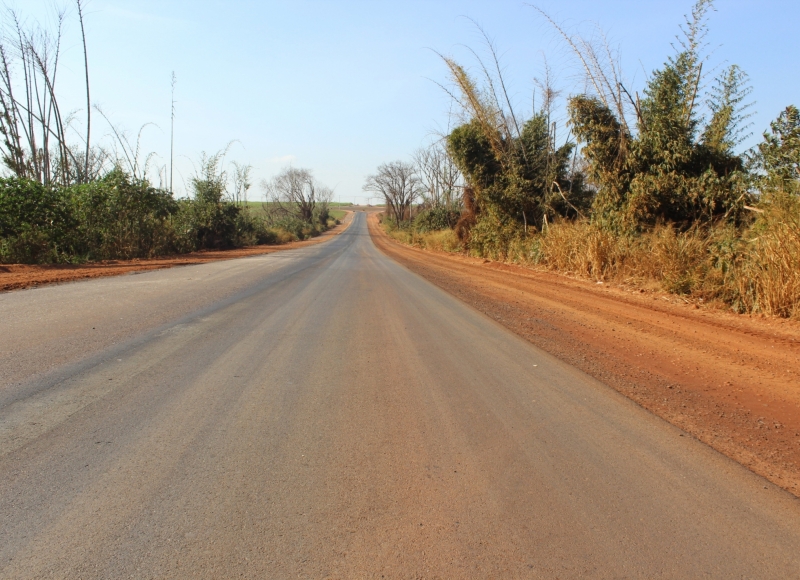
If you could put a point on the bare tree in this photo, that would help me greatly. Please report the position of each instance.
(295, 191)
(32, 123)
(399, 185)
(80, 6)
(241, 182)
(439, 175)
(324, 198)
(31, 117)
(602, 68)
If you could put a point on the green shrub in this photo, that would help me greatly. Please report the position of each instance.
(117, 217)
(492, 235)
(34, 220)
(436, 218)
(113, 217)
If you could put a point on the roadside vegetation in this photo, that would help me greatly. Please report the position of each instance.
(299, 205)
(647, 188)
(67, 197)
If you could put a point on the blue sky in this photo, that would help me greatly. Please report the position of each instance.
(342, 86)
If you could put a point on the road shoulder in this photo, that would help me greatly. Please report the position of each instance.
(731, 381)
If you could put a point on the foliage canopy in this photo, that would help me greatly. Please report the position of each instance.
(674, 166)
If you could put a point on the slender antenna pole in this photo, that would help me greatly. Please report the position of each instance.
(79, 4)
(172, 135)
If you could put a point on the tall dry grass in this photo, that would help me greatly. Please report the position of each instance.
(439, 240)
(751, 270)
(755, 270)
(678, 261)
(768, 279)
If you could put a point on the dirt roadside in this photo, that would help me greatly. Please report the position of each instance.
(19, 276)
(731, 381)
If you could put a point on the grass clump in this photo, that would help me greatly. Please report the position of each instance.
(444, 240)
(753, 270)
(768, 280)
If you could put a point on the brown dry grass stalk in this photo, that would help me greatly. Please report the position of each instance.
(439, 241)
(755, 271)
(769, 279)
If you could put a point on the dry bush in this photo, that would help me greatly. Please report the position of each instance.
(752, 270)
(572, 247)
(768, 276)
(440, 240)
(402, 236)
(678, 260)
(284, 237)
(756, 270)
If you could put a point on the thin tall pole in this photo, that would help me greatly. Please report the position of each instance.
(172, 135)
(79, 4)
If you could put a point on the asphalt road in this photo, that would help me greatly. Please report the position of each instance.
(323, 412)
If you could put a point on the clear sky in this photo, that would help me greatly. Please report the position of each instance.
(342, 86)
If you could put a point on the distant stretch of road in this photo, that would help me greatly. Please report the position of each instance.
(325, 413)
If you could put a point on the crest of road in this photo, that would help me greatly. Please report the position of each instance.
(325, 413)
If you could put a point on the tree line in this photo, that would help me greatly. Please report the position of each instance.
(69, 197)
(636, 169)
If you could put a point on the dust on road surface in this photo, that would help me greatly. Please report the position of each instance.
(323, 412)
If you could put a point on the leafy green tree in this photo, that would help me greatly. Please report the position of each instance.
(674, 168)
(113, 217)
(210, 220)
(121, 217)
(515, 172)
(527, 182)
(473, 154)
(779, 153)
(36, 222)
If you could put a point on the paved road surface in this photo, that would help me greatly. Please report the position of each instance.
(324, 413)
